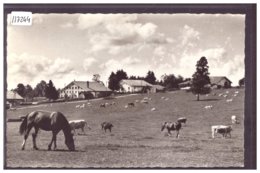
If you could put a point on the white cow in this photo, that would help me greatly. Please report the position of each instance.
(208, 107)
(234, 119)
(229, 100)
(221, 129)
(82, 106)
(78, 124)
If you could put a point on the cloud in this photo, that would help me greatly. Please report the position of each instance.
(30, 69)
(67, 25)
(114, 32)
(189, 35)
(88, 62)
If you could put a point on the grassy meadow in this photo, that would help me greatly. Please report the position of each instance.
(136, 139)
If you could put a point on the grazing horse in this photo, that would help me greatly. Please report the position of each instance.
(106, 125)
(172, 126)
(48, 121)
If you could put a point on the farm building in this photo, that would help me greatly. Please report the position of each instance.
(85, 89)
(220, 82)
(157, 88)
(134, 86)
(185, 85)
(216, 82)
(13, 98)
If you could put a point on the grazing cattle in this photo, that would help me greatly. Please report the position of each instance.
(136, 101)
(126, 106)
(106, 125)
(162, 97)
(82, 106)
(221, 129)
(208, 107)
(145, 98)
(220, 94)
(235, 95)
(166, 99)
(102, 105)
(153, 109)
(234, 119)
(77, 106)
(113, 103)
(182, 120)
(172, 126)
(89, 104)
(236, 92)
(131, 104)
(78, 124)
(225, 95)
(229, 100)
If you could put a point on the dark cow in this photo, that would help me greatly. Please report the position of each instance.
(172, 126)
(106, 125)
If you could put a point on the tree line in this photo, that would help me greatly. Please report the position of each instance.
(42, 89)
(168, 81)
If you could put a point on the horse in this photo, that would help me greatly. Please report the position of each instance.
(48, 121)
(106, 125)
(172, 126)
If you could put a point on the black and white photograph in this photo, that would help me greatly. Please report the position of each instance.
(150, 87)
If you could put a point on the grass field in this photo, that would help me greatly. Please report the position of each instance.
(136, 139)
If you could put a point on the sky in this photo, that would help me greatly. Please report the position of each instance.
(67, 47)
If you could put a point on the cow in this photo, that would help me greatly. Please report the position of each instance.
(131, 104)
(171, 126)
(208, 107)
(221, 129)
(78, 124)
(106, 125)
(229, 100)
(182, 120)
(234, 119)
(103, 105)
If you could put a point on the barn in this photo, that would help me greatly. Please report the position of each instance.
(157, 88)
(220, 82)
(134, 86)
(13, 99)
(85, 89)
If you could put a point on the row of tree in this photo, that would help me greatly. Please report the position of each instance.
(42, 89)
(169, 81)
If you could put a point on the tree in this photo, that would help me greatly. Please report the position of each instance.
(200, 79)
(51, 92)
(96, 78)
(40, 89)
(20, 89)
(120, 74)
(150, 77)
(112, 81)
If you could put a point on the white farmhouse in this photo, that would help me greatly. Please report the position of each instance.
(84, 89)
(134, 86)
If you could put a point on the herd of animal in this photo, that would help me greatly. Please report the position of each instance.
(56, 122)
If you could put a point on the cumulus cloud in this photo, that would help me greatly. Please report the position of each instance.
(189, 35)
(113, 32)
(30, 69)
(88, 62)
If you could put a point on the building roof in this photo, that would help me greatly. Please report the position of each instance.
(217, 79)
(89, 86)
(159, 87)
(12, 95)
(135, 82)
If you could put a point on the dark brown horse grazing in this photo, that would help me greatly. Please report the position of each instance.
(172, 126)
(49, 121)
